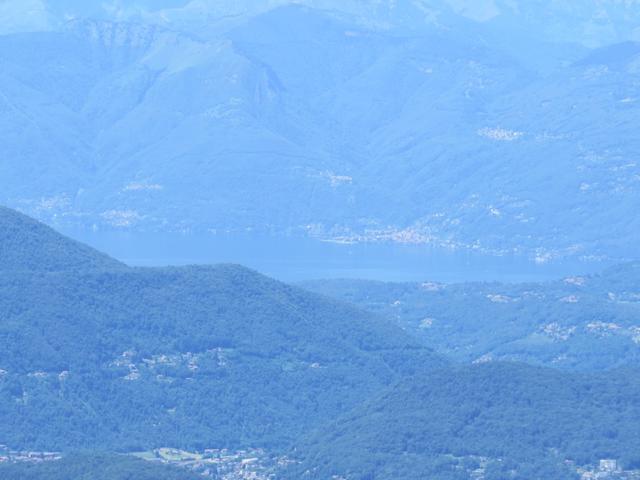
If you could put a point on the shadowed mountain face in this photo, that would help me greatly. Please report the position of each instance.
(410, 123)
(111, 357)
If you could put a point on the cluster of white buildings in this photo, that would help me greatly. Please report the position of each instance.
(609, 469)
(13, 456)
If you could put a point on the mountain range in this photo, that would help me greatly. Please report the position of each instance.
(485, 129)
(501, 127)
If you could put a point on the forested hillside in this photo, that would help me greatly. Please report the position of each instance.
(162, 160)
(577, 323)
(527, 420)
(104, 357)
(129, 358)
(28, 245)
(84, 466)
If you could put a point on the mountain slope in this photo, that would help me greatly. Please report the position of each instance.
(514, 420)
(437, 123)
(132, 359)
(578, 323)
(129, 359)
(28, 245)
(79, 466)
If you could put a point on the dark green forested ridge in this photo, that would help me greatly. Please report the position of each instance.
(533, 417)
(94, 466)
(134, 358)
(131, 359)
(26, 244)
(194, 357)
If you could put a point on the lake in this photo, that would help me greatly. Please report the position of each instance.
(300, 258)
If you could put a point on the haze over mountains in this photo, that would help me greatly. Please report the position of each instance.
(431, 140)
(494, 126)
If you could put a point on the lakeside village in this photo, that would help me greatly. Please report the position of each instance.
(256, 464)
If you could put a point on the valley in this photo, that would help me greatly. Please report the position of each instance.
(319, 240)
(577, 323)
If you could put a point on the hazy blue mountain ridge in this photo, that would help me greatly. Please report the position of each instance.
(344, 123)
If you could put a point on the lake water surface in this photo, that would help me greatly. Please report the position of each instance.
(299, 258)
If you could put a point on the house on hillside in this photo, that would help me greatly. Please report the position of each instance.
(609, 466)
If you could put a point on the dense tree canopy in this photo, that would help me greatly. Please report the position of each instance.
(100, 356)
(94, 466)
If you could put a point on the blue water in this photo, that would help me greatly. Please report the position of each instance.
(296, 258)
